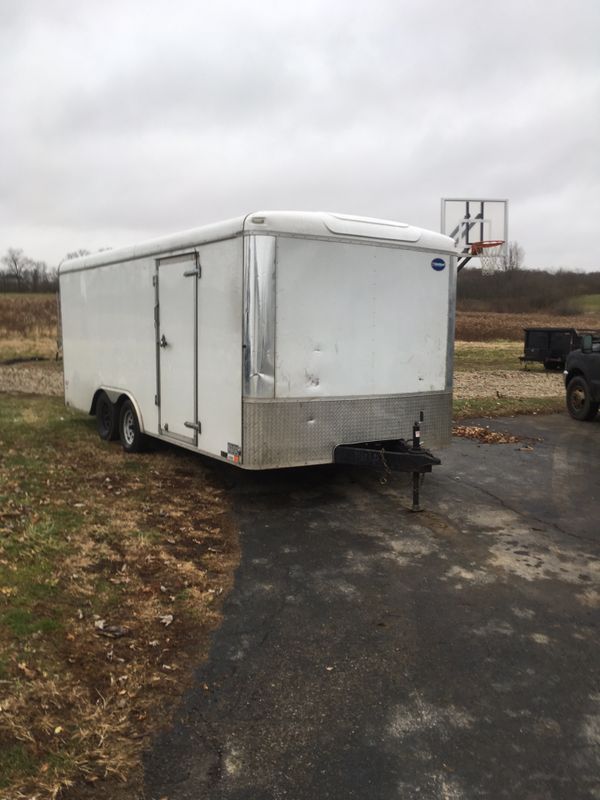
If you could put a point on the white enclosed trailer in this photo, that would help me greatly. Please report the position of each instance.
(267, 340)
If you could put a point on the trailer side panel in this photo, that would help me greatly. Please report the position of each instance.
(109, 336)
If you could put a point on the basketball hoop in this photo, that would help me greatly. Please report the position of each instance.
(489, 253)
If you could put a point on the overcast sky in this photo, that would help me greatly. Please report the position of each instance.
(125, 120)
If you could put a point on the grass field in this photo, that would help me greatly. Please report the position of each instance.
(112, 572)
(28, 326)
(587, 303)
(486, 356)
(28, 315)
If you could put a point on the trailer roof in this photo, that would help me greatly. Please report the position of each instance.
(300, 223)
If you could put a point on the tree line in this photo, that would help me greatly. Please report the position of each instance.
(23, 274)
(519, 290)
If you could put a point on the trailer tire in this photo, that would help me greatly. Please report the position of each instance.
(130, 433)
(579, 400)
(106, 418)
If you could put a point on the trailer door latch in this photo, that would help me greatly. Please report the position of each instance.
(195, 426)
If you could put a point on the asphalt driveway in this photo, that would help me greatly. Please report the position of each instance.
(368, 652)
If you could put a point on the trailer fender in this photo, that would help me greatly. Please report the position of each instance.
(118, 396)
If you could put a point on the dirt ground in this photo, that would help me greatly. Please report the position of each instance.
(476, 326)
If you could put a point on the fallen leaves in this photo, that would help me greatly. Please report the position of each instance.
(110, 631)
(29, 673)
(487, 436)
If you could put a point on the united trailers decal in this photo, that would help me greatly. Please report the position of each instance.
(438, 264)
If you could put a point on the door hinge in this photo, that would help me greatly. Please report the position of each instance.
(155, 399)
(195, 426)
(154, 280)
(191, 273)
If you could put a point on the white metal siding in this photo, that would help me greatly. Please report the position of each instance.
(108, 334)
(358, 320)
(109, 339)
(220, 346)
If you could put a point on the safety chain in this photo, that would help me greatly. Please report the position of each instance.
(387, 471)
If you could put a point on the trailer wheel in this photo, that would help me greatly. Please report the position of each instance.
(579, 400)
(106, 418)
(130, 434)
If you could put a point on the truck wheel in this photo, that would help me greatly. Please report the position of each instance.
(579, 400)
(130, 434)
(106, 418)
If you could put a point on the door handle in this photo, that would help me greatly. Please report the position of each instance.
(163, 341)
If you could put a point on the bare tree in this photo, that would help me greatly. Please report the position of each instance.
(514, 257)
(17, 264)
(37, 274)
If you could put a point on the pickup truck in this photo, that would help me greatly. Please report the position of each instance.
(551, 346)
(582, 379)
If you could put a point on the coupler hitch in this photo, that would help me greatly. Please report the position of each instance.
(393, 455)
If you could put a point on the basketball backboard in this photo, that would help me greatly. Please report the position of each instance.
(472, 220)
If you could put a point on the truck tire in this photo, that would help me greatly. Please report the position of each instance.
(106, 418)
(579, 400)
(130, 434)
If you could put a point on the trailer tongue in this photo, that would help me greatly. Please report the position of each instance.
(394, 455)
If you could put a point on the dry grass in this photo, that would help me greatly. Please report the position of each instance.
(15, 348)
(28, 316)
(28, 326)
(94, 541)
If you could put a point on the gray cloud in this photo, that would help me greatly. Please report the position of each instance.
(123, 120)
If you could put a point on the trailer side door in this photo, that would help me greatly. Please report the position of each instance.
(176, 347)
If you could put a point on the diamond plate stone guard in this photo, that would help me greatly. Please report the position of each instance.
(291, 433)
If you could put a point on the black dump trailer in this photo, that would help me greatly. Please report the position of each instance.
(550, 346)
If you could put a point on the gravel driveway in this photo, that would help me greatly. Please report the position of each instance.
(505, 383)
(33, 378)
